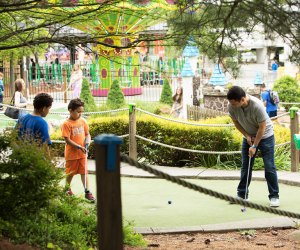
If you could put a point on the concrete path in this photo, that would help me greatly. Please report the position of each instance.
(213, 174)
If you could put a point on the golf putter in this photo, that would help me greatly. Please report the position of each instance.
(85, 165)
(243, 209)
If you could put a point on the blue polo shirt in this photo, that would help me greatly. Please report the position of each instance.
(34, 128)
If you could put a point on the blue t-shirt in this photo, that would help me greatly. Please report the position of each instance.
(34, 128)
(265, 96)
(1, 87)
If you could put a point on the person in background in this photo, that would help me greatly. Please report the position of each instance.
(1, 90)
(250, 118)
(19, 100)
(33, 127)
(33, 69)
(76, 81)
(266, 98)
(75, 131)
(177, 107)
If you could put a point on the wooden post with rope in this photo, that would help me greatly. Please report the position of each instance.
(64, 74)
(109, 205)
(132, 132)
(294, 120)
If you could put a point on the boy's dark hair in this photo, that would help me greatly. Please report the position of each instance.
(42, 100)
(236, 93)
(75, 103)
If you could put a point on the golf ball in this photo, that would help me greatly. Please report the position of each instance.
(243, 209)
(169, 202)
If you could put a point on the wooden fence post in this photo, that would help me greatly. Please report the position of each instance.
(64, 73)
(109, 205)
(132, 132)
(294, 121)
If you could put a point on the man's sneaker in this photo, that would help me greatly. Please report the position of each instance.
(274, 202)
(69, 192)
(89, 196)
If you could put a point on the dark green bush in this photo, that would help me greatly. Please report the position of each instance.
(166, 94)
(86, 97)
(115, 98)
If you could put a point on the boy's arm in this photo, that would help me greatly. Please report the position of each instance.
(74, 144)
(88, 139)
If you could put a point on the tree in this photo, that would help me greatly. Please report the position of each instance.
(115, 97)
(166, 94)
(220, 26)
(86, 97)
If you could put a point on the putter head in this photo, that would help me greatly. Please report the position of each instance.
(243, 209)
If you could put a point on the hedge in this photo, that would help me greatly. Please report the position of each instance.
(178, 135)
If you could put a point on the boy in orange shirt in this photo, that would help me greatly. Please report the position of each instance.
(75, 131)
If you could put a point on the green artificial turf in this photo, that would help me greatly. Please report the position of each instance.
(146, 202)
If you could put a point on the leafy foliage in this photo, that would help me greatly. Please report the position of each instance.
(28, 178)
(219, 27)
(288, 90)
(34, 208)
(166, 94)
(115, 98)
(86, 97)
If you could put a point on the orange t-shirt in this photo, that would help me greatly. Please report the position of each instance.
(77, 131)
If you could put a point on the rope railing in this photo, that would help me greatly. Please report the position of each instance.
(199, 124)
(67, 113)
(184, 122)
(290, 103)
(198, 188)
(198, 151)
(63, 142)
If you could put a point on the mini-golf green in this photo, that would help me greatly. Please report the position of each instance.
(151, 202)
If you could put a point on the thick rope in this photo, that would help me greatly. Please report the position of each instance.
(179, 181)
(199, 151)
(183, 122)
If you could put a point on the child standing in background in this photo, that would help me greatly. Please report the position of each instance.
(1, 90)
(75, 131)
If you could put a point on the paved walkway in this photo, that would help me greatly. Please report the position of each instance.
(213, 174)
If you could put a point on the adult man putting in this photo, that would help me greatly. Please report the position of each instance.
(250, 118)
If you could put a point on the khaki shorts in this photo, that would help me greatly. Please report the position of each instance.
(74, 167)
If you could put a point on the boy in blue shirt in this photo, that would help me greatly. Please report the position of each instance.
(266, 98)
(33, 127)
(1, 90)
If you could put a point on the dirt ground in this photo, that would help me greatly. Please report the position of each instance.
(252, 239)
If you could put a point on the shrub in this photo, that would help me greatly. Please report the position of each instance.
(86, 97)
(288, 90)
(189, 137)
(115, 98)
(33, 207)
(28, 178)
(166, 94)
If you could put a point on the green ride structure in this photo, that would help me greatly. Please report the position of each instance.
(118, 26)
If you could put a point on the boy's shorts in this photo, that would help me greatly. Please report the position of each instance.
(74, 167)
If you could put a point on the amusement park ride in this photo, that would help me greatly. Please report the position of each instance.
(117, 28)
